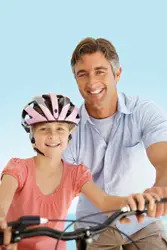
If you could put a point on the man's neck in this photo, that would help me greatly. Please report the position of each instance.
(103, 111)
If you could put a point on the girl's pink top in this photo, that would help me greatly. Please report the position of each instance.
(28, 199)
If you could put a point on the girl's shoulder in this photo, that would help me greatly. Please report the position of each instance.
(75, 167)
(18, 168)
(77, 175)
(76, 171)
(15, 163)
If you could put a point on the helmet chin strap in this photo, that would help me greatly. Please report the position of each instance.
(36, 149)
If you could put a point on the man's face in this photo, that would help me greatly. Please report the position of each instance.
(95, 79)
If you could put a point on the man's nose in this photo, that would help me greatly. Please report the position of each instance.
(92, 80)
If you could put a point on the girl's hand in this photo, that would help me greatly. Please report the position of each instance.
(7, 236)
(137, 202)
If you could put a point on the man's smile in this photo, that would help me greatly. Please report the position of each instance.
(95, 92)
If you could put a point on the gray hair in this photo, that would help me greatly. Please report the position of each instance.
(90, 45)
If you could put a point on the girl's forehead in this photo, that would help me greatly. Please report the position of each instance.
(52, 124)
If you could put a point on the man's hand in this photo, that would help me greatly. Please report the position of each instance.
(159, 209)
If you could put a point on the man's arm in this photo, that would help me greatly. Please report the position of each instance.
(157, 154)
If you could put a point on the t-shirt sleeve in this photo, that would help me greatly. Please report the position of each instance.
(81, 175)
(153, 124)
(16, 168)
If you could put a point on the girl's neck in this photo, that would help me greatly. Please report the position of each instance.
(46, 163)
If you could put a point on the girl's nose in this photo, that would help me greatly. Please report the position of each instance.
(52, 135)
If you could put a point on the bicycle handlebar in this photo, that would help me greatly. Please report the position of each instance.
(19, 230)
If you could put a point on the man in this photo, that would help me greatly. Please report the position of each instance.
(122, 140)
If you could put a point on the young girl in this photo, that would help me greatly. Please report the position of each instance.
(45, 185)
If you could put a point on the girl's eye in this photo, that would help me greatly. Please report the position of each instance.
(42, 129)
(60, 129)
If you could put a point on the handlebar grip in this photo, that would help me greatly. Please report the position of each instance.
(20, 225)
(163, 200)
(128, 209)
(13, 238)
(25, 221)
(1, 238)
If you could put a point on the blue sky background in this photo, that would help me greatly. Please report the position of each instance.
(37, 39)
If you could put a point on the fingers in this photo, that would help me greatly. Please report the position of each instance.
(151, 198)
(15, 246)
(152, 207)
(9, 247)
(140, 218)
(12, 247)
(3, 224)
(138, 202)
(125, 220)
(6, 235)
(161, 209)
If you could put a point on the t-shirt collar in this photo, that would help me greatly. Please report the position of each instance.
(123, 108)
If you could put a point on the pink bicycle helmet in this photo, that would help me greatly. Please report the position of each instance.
(49, 108)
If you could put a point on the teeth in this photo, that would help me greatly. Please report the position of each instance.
(96, 91)
(52, 145)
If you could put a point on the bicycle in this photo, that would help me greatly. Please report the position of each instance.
(20, 232)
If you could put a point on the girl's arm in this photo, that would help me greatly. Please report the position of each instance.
(8, 188)
(107, 202)
(101, 199)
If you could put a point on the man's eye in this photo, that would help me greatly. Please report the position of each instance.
(100, 72)
(81, 75)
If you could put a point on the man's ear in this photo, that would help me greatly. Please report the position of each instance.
(118, 74)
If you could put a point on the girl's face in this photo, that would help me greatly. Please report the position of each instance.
(51, 138)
